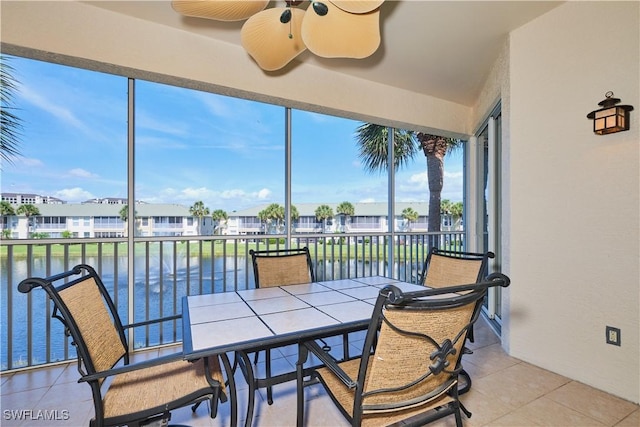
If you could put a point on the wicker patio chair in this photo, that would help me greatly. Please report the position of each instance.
(280, 267)
(410, 376)
(448, 268)
(127, 393)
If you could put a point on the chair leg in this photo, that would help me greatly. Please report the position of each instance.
(467, 382)
(458, 418)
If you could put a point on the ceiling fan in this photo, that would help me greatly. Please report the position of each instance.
(274, 36)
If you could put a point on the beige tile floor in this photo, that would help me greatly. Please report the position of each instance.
(505, 392)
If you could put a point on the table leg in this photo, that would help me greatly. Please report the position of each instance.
(247, 370)
(302, 358)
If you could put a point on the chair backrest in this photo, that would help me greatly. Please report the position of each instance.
(448, 268)
(282, 267)
(88, 314)
(417, 355)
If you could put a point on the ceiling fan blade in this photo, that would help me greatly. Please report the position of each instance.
(358, 6)
(340, 34)
(271, 42)
(220, 10)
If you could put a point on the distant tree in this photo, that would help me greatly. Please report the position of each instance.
(263, 216)
(410, 216)
(124, 213)
(124, 216)
(457, 209)
(199, 210)
(66, 234)
(10, 123)
(29, 211)
(294, 213)
(346, 209)
(6, 210)
(220, 217)
(456, 212)
(323, 213)
(452, 210)
(273, 217)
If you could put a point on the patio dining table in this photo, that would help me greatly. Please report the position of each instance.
(252, 320)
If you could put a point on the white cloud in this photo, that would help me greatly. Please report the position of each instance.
(29, 162)
(233, 194)
(74, 195)
(367, 200)
(63, 114)
(265, 193)
(82, 173)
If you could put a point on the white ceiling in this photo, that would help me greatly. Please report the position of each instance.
(443, 49)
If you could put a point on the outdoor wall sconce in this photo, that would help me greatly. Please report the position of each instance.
(611, 118)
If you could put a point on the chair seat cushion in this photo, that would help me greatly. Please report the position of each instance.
(159, 388)
(344, 397)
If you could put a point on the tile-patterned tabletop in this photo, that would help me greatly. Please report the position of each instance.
(247, 319)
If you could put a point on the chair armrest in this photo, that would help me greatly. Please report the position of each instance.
(153, 321)
(132, 367)
(330, 363)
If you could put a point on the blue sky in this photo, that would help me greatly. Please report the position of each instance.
(190, 146)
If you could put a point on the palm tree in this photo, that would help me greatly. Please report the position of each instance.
(124, 213)
(445, 209)
(10, 124)
(272, 213)
(264, 218)
(6, 210)
(294, 214)
(456, 212)
(124, 216)
(199, 210)
(218, 217)
(372, 141)
(435, 148)
(410, 216)
(323, 213)
(29, 211)
(346, 209)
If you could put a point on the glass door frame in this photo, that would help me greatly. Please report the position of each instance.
(483, 201)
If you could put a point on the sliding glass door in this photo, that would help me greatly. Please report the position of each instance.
(488, 233)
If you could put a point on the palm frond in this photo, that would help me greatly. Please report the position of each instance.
(10, 123)
(373, 147)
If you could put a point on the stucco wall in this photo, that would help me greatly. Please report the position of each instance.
(575, 196)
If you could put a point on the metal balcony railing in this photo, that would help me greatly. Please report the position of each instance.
(165, 269)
